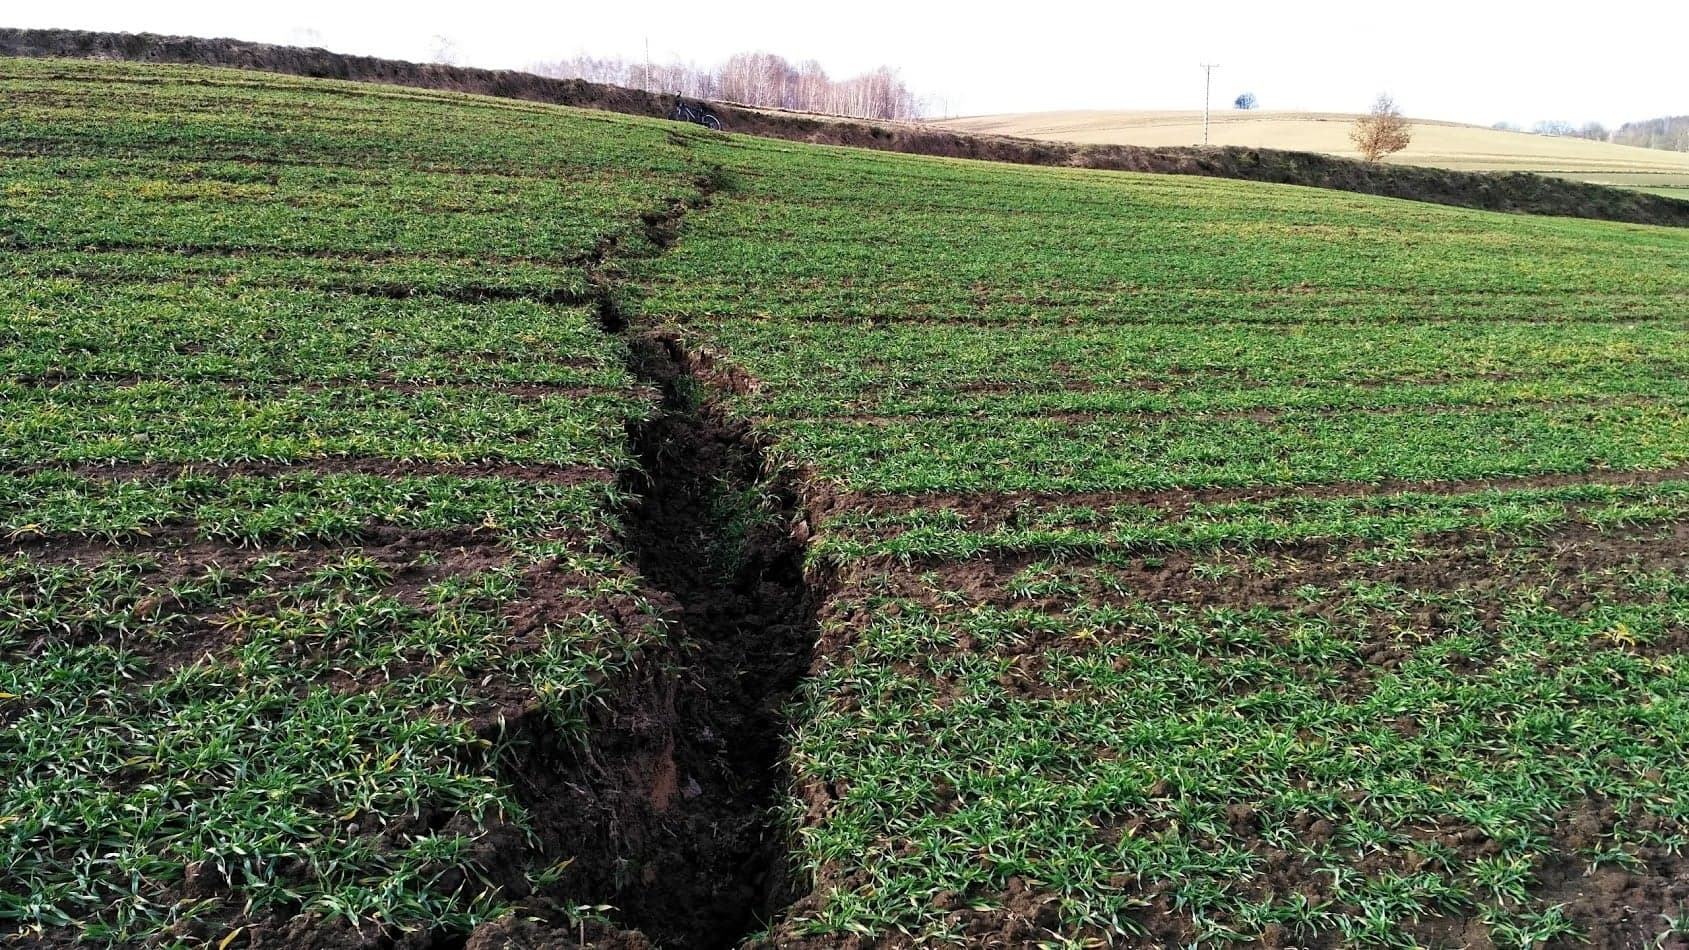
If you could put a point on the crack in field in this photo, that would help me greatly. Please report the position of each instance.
(670, 815)
(715, 532)
(657, 820)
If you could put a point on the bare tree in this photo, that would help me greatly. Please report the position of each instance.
(812, 86)
(1383, 131)
(1594, 131)
(1669, 132)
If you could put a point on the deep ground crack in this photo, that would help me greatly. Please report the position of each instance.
(661, 231)
(711, 528)
(669, 816)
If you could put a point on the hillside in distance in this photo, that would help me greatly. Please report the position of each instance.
(1441, 144)
(1516, 192)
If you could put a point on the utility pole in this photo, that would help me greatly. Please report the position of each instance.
(1207, 90)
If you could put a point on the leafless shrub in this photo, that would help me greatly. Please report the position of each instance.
(1383, 131)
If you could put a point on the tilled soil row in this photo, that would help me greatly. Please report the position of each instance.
(983, 511)
(1574, 569)
(518, 389)
(367, 465)
(1262, 415)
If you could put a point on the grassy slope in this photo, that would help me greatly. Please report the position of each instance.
(307, 486)
(1438, 144)
(1217, 561)
(1519, 193)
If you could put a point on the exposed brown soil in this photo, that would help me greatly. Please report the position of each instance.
(711, 528)
(521, 933)
(666, 812)
(1475, 561)
(1616, 906)
(1513, 191)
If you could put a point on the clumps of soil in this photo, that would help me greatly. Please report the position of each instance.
(1617, 905)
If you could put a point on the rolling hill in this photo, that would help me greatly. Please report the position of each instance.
(1518, 192)
(1440, 144)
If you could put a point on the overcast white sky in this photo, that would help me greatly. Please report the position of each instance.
(1472, 61)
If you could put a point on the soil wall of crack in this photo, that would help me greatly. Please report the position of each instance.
(670, 814)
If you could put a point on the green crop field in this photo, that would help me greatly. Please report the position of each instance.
(302, 412)
(1216, 562)
(393, 488)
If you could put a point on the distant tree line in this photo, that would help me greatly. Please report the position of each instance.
(754, 79)
(1594, 131)
(1670, 133)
